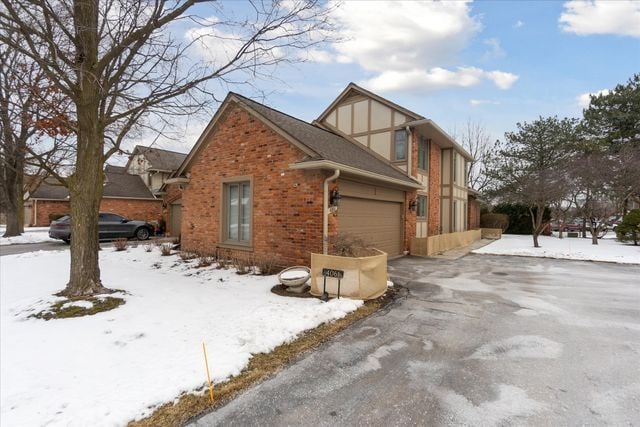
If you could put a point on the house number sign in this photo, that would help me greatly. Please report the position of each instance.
(334, 274)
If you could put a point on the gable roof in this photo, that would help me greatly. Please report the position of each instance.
(159, 159)
(354, 88)
(118, 184)
(318, 143)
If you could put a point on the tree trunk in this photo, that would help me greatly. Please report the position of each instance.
(86, 184)
(535, 226)
(14, 177)
(594, 235)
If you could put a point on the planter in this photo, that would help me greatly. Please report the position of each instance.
(364, 277)
(295, 278)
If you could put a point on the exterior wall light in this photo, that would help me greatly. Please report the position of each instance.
(334, 198)
(413, 205)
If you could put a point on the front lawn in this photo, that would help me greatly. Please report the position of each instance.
(119, 365)
(576, 248)
(30, 235)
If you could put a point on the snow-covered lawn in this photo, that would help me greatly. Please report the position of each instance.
(119, 365)
(30, 235)
(608, 250)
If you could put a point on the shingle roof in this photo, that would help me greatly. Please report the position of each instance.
(118, 183)
(162, 160)
(327, 145)
(51, 189)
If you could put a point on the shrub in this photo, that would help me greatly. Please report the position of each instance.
(243, 264)
(223, 259)
(629, 229)
(495, 220)
(348, 245)
(267, 265)
(56, 216)
(121, 244)
(165, 249)
(519, 217)
(205, 260)
(188, 256)
(148, 247)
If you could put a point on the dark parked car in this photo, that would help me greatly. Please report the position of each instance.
(110, 226)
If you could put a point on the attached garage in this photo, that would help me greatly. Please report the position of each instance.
(374, 214)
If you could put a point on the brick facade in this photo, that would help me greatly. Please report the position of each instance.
(287, 204)
(433, 220)
(148, 210)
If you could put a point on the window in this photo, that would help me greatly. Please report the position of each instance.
(400, 146)
(108, 217)
(423, 154)
(422, 207)
(236, 225)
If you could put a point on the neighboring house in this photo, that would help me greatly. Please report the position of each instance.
(259, 181)
(154, 165)
(123, 193)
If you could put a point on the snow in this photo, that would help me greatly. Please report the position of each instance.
(81, 304)
(110, 368)
(294, 274)
(520, 346)
(30, 235)
(608, 250)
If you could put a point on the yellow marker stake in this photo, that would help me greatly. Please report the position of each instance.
(204, 350)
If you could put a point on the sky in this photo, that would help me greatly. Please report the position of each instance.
(492, 62)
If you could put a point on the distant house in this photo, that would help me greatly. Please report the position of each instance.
(260, 181)
(154, 165)
(123, 193)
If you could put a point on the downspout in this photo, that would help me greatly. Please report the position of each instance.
(325, 211)
(409, 149)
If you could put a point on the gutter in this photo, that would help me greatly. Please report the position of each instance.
(328, 164)
(453, 142)
(325, 211)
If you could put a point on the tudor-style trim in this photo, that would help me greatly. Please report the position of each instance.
(353, 86)
(464, 153)
(231, 97)
(328, 164)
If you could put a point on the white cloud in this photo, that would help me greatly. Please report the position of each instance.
(585, 17)
(518, 24)
(316, 55)
(412, 45)
(476, 102)
(584, 99)
(494, 50)
(383, 35)
(437, 78)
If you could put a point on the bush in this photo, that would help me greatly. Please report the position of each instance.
(495, 220)
(519, 217)
(267, 265)
(148, 247)
(56, 216)
(205, 260)
(120, 244)
(629, 228)
(165, 249)
(348, 245)
(243, 264)
(188, 256)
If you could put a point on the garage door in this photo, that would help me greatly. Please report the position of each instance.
(375, 221)
(176, 218)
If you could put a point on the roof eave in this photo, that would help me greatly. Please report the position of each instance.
(330, 165)
(444, 134)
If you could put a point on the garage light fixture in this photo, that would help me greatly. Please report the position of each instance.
(334, 198)
(413, 205)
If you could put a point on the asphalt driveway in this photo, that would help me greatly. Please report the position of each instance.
(483, 340)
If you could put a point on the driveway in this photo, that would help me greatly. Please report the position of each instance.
(483, 340)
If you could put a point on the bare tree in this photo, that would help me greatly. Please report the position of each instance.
(122, 65)
(477, 141)
(30, 112)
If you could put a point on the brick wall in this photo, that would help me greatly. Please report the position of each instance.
(433, 220)
(287, 204)
(409, 219)
(148, 210)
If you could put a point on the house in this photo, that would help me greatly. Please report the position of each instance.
(259, 181)
(123, 193)
(153, 165)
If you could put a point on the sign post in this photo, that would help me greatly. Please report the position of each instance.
(336, 274)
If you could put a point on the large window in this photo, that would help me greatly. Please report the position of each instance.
(422, 207)
(400, 146)
(237, 212)
(423, 154)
